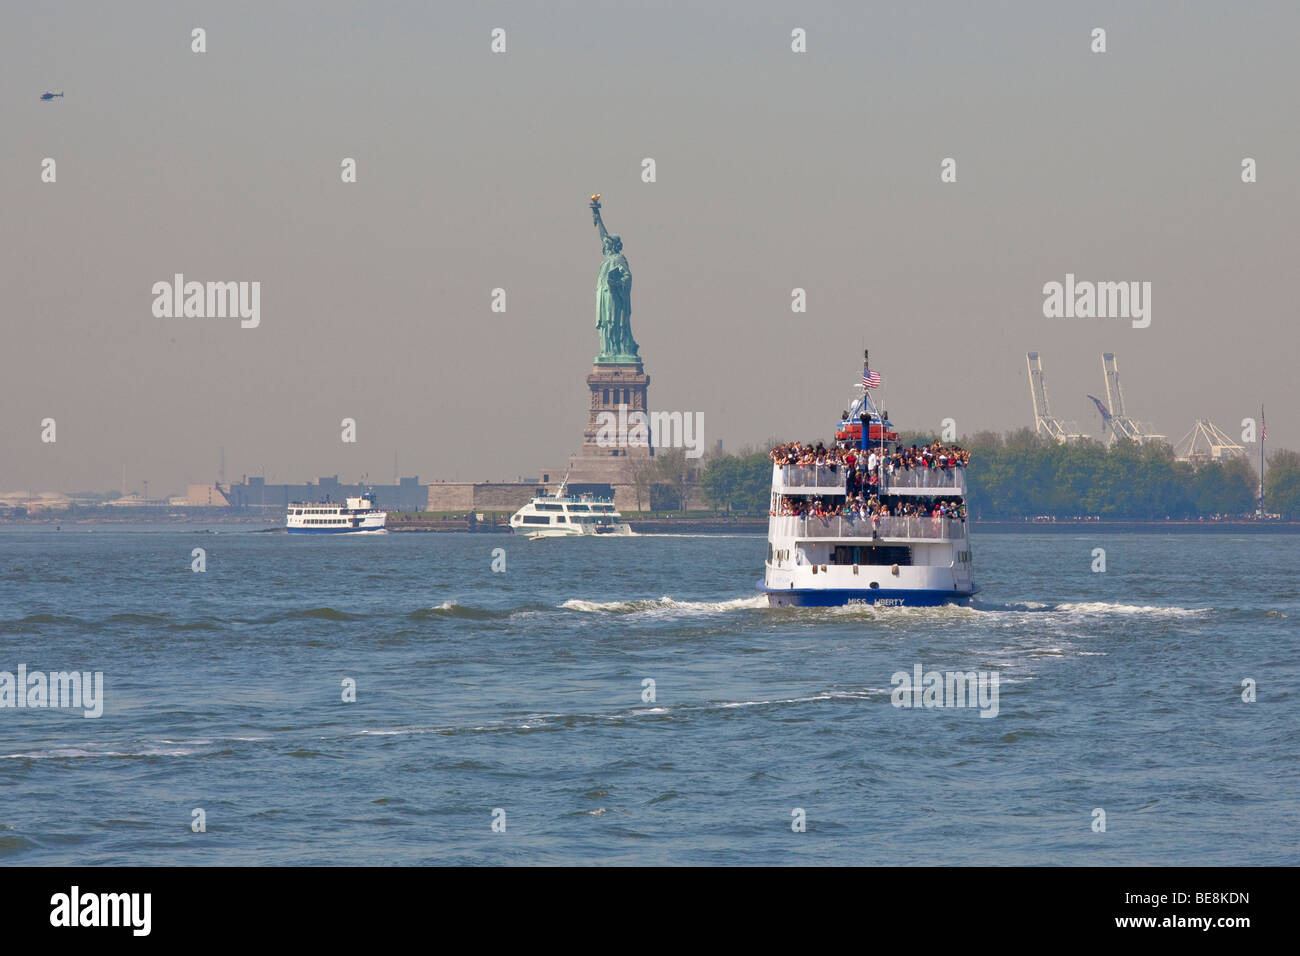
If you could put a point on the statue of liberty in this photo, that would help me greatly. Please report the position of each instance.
(613, 297)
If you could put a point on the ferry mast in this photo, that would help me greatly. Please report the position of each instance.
(1263, 436)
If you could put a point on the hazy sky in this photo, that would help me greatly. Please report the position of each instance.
(774, 170)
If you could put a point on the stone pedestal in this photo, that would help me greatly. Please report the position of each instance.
(607, 458)
(617, 390)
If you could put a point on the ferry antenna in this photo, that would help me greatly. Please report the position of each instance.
(1263, 434)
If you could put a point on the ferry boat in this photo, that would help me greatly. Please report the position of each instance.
(355, 514)
(563, 515)
(881, 536)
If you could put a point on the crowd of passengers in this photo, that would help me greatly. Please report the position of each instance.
(862, 468)
(869, 506)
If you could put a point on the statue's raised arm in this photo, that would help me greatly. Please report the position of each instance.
(596, 220)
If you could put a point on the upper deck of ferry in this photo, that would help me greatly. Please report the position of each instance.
(353, 503)
(884, 491)
(833, 480)
(868, 456)
(573, 503)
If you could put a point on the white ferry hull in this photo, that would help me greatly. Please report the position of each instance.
(879, 598)
(572, 532)
(366, 528)
(832, 585)
(869, 597)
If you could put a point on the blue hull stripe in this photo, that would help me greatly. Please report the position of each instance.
(836, 597)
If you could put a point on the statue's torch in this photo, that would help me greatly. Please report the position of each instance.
(595, 209)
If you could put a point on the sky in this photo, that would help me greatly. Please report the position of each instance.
(774, 170)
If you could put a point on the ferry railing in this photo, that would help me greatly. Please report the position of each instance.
(925, 478)
(811, 476)
(895, 526)
(833, 476)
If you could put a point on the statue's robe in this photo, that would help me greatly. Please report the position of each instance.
(614, 306)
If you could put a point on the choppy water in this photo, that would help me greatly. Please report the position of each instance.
(522, 690)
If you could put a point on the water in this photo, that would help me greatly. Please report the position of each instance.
(523, 690)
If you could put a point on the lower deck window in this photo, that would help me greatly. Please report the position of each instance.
(867, 554)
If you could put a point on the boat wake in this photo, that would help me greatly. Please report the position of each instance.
(454, 610)
(1094, 608)
(1102, 607)
(955, 612)
(664, 603)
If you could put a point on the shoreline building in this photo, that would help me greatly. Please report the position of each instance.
(254, 492)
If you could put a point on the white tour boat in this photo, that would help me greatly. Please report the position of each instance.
(563, 515)
(356, 514)
(879, 531)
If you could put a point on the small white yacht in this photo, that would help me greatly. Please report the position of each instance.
(564, 515)
(356, 514)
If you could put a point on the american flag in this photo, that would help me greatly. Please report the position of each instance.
(1263, 428)
(870, 378)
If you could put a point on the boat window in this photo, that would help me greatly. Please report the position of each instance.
(549, 507)
(881, 554)
(536, 519)
(579, 507)
(559, 519)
